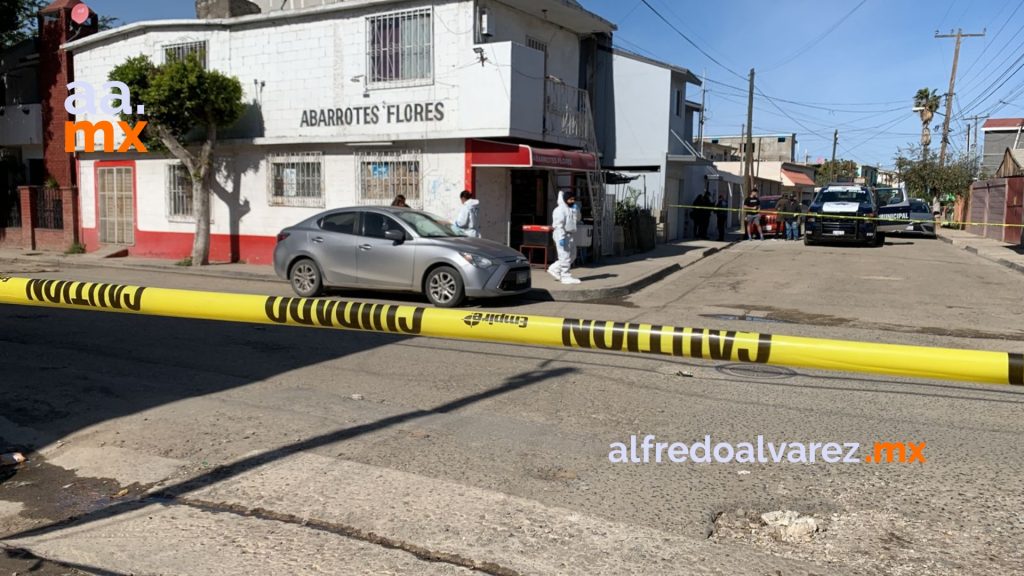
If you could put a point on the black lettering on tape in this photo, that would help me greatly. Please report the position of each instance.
(617, 330)
(719, 345)
(111, 296)
(339, 314)
(764, 350)
(633, 337)
(1016, 361)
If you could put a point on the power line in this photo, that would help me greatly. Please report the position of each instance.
(993, 40)
(691, 42)
(800, 51)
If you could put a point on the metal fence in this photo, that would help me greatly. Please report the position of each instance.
(566, 111)
(381, 176)
(49, 209)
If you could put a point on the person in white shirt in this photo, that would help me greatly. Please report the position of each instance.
(469, 215)
(563, 221)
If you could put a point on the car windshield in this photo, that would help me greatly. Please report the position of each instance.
(428, 225)
(769, 203)
(843, 196)
(919, 206)
(888, 196)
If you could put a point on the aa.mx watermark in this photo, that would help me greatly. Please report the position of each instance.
(83, 101)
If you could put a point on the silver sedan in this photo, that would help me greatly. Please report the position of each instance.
(396, 249)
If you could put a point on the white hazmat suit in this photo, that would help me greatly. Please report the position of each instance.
(564, 219)
(468, 216)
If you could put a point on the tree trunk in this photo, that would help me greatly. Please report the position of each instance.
(201, 204)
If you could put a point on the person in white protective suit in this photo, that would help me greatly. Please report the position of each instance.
(564, 219)
(469, 215)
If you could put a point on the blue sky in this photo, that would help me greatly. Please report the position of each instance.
(859, 78)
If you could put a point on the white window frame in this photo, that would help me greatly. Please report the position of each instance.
(182, 50)
(393, 177)
(308, 190)
(388, 55)
(179, 192)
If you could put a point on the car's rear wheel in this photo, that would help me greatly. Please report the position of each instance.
(306, 279)
(808, 241)
(879, 239)
(444, 287)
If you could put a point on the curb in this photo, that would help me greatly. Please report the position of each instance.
(974, 250)
(543, 295)
(536, 294)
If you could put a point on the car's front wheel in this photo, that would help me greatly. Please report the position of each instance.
(306, 279)
(444, 287)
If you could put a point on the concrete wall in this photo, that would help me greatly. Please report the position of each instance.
(510, 25)
(642, 95)
(493, 189)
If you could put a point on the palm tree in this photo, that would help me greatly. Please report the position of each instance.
(926, 102)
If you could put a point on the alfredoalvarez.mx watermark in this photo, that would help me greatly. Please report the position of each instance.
(648, 450)
(83, 100)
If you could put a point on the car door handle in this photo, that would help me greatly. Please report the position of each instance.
(318, 239)
(365, 246)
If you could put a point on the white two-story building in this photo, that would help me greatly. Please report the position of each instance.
(350, 103)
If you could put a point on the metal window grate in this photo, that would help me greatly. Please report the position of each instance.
(180, 204)
(383, 175)
(296, 180)
(399, 48)
(532, 42)
(174, 52)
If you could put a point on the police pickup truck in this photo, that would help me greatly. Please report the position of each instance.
(843, 213)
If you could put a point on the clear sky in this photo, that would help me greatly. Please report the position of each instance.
(858, 77)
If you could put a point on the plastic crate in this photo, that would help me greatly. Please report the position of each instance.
(535, 235)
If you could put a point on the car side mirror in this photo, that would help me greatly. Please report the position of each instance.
(396, 236)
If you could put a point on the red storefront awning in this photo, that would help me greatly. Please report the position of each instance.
(486, 153)
(798, 178)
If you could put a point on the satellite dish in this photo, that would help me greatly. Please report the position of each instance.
(80, 13)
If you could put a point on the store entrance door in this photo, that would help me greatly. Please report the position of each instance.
(529, 202)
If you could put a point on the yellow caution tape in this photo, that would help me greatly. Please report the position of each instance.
(725, 345)
(886, 219)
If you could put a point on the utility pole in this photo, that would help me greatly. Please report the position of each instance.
(700, 128)
(952, 81)
(832, 166)
(977, 143)
(748, 180)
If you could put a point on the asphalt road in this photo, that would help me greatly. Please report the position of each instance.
(189, 447)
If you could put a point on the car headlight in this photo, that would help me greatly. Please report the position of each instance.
(477, 260)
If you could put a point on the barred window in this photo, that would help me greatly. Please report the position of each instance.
(175, 52)
(399, 48)
(537, 44)
(180, 203)
(296, 180)
(384, 175)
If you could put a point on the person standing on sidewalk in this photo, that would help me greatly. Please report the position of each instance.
(752, 205)
(469, 215)
(722, 214)
(563, 222)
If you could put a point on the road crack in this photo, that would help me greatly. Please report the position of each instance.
(420, 552)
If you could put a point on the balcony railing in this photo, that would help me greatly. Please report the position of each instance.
(566, 112)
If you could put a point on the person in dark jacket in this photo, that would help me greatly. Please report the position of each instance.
(722, 214)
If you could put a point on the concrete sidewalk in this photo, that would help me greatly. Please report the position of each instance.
(615, 277)
(999, 252)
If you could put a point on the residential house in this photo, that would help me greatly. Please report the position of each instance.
(774, 178)
(1000, 134)
(645, 129)
(767, 147)
(352, 103)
